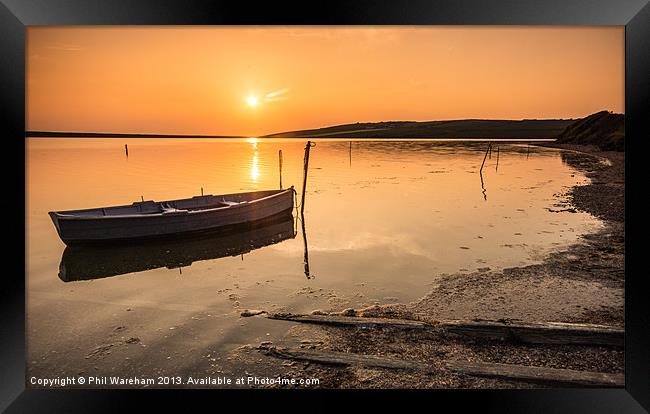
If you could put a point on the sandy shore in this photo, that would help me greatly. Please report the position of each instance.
(583, 283)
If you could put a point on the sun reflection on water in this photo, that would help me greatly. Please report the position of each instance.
(255, 171)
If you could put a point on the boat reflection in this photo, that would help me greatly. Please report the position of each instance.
(85, 263)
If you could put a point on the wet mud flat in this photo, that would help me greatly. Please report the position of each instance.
(581, 284)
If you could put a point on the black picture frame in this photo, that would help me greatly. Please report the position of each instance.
(16, 15)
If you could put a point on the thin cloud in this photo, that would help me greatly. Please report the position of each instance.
(276, 95)
(66, 47)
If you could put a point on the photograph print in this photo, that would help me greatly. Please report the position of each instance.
(347, 207)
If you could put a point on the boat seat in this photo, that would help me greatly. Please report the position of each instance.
(166, 209)
(232, 203)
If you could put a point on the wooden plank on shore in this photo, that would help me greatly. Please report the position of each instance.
(524, 332)
(351, 321)
(344, 358)
(551, 376)
(538, 333)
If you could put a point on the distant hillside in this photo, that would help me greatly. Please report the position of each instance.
(465, 128)
(604, 129)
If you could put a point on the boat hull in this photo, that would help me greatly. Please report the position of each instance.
(79, 230)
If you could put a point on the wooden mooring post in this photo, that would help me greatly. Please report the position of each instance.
(485, 157)
(304, 177)
(280, 166)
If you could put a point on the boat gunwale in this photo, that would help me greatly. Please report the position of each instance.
(60, 215)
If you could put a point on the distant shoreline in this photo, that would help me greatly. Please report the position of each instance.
(464, 128)
(479, 129)
(50, 134)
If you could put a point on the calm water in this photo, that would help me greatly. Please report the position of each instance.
(382, 221)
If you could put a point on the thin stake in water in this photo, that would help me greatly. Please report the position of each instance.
(486, 154)
(280, 161)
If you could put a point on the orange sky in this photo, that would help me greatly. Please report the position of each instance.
(197, 80)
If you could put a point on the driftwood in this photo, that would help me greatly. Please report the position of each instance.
(523, 332)
(350, 321)
(551, 376)
(343, 358)
(538, 333)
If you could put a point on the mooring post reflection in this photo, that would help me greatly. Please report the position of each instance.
(350, 153)
(304, 240)
(496, 169)
(483, 190)
(488, 151)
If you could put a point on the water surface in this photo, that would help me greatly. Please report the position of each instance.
(383, 220)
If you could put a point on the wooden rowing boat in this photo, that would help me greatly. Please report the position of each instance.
(173, 218)
(95, 262)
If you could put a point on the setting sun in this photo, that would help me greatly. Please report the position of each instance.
(252, 101)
